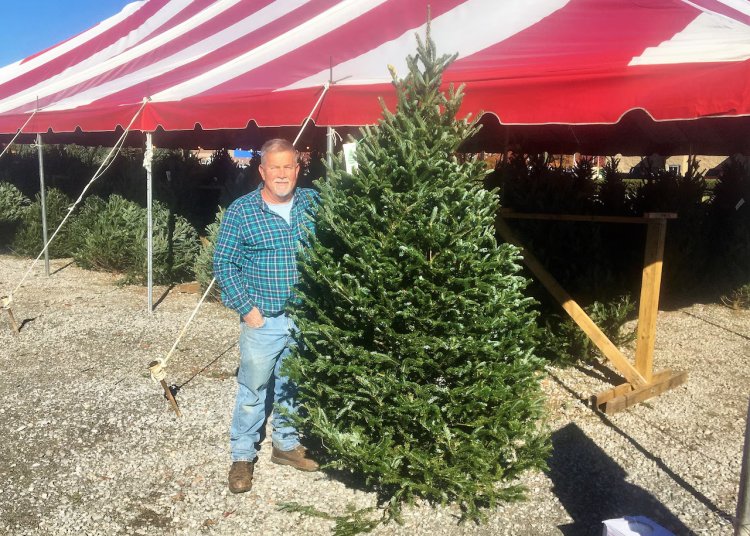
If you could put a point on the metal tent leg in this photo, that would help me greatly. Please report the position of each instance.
(147, 160)
(43, 199)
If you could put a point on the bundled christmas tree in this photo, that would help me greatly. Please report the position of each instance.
(417, 368)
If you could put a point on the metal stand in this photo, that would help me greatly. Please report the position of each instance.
(147, 159)
(43, 199)
(329, 146)
(742, 523)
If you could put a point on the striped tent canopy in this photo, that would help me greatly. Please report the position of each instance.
(573, 74)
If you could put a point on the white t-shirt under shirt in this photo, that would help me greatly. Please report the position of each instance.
(283, 209)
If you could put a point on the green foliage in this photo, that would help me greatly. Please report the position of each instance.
(566, 343)
(352, 522)
(417, 367)
(204, 265)
(667, 191)
(739, 298)
(111, 236)
(29, 240)
(729, 226)
(707, 250)
(531, 183)
(13, 204)
(613, 193)
(66, 167)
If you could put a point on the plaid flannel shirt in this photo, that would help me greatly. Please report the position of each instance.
(255, 259)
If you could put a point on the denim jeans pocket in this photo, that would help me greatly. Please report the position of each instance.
(245, 324)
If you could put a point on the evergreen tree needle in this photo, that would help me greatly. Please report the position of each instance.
(418, 369)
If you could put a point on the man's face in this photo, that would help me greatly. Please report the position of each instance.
(279, 173)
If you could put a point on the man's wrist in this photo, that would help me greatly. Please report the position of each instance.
(247, 309)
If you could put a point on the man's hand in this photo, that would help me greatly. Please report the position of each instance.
(254, 319)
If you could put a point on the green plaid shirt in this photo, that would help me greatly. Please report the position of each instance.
(255, 260)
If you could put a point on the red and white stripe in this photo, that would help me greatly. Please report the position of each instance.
(225, 63)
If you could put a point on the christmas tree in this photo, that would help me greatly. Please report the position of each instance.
(417, 366)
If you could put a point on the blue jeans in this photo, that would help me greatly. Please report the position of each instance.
(262, 350)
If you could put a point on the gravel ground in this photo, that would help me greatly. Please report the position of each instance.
(90, 446)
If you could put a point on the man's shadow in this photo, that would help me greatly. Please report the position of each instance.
(592, 487)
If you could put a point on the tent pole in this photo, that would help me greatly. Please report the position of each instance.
(147, 159)
(43, 199)
(329, 146)
(742, 522)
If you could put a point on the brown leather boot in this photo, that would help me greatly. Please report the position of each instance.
(241, 477)
(297, 458)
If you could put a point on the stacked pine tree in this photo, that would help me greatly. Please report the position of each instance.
(417, 367)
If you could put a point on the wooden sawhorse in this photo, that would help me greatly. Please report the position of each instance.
(642, 382)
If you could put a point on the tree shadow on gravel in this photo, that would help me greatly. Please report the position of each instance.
(600, 372)
(592, 487)
(61, 268)
(700, 497)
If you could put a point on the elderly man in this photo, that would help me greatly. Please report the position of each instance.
(255, 263)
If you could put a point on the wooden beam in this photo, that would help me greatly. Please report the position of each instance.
(599, 399)
(649, 303)
(574, 310)
(663, 381)
(646, 218)
(605, 396)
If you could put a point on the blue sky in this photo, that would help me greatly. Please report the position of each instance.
(30, 26)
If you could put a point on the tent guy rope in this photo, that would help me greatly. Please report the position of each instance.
(19, 132)
(326, 86)
(102, 168)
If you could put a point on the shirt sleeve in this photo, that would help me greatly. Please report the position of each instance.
(228, 263)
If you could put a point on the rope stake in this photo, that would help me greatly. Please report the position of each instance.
(5, 302)
(158, 367)
(158, 374)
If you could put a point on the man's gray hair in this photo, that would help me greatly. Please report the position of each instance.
(277, 145)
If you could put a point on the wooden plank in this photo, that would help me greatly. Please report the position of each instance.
(645, 392)
(598, 400)
(646, 218)
(603, 397)
(575, 311)
(660, 215)
(649, 303)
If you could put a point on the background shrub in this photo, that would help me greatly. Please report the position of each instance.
(204, 265)
(564, 342)
(13, 204)
(707, 250)
(112, 237)
(728, 232)
(28, 239)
